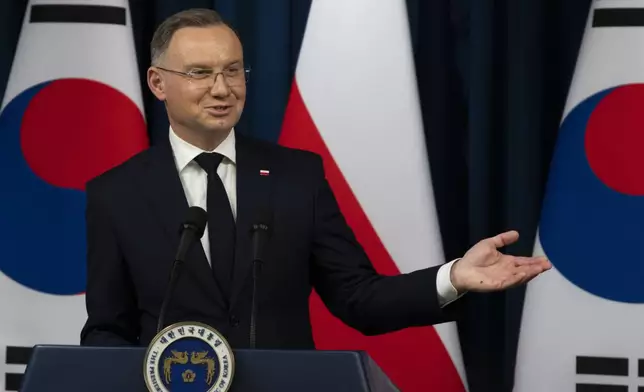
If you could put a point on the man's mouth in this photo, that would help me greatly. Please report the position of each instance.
(219, 110)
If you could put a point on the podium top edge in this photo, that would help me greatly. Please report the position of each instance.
(40, 347)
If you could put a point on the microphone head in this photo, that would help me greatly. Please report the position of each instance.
(196, 220)
(263, 222)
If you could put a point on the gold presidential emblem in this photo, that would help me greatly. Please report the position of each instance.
(189, 356)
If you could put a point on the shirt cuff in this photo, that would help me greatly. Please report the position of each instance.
(446, 291)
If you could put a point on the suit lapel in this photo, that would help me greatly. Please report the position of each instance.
(163, 189)
(253, 198)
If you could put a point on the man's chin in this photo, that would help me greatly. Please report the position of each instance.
(218, 125)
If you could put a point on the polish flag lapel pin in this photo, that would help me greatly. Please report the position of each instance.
(264, 172)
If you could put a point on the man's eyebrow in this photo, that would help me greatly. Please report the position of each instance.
(204, 66)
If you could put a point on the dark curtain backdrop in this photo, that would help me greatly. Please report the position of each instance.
(492, 77)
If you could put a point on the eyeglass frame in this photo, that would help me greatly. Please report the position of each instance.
(212, 76)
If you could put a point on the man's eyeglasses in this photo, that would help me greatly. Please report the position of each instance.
(204, 77)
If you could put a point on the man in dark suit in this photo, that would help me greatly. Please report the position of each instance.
(135, 210)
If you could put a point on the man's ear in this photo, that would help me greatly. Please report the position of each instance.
(156, 83)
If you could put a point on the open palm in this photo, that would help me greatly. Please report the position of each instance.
(484, 268)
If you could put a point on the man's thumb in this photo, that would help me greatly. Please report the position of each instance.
(507, 238)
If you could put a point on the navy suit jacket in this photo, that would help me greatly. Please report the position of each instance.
(134, 213)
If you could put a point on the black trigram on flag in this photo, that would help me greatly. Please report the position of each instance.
(72, 13)
(613, 372)
(618, 17)
(15, 356)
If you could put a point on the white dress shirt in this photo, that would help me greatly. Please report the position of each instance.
(195, 183)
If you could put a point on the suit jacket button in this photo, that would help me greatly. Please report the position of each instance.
(234, 321)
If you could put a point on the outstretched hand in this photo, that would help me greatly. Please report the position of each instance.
(484, 268)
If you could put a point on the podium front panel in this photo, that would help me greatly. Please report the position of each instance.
(97, 369)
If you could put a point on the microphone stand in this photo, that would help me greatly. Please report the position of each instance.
(192, 229)
(174, 273)
(253, 315)
(260, 232)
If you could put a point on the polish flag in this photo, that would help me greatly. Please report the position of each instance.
(355, 102)
(72, 109)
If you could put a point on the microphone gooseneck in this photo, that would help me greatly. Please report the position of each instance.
(259, 238)
(192, 229)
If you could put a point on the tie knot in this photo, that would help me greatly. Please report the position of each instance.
(209, 161)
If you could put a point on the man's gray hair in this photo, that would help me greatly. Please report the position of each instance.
(196, 17)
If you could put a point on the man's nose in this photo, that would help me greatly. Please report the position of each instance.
(220, 88)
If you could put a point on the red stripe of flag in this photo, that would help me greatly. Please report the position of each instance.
(415, 358)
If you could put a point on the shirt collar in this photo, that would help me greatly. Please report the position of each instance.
(184, 152)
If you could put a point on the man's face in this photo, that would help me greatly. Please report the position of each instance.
(204, 104)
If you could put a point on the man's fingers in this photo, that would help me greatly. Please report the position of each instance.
(528, 272)
(506, 238)
(539, 260)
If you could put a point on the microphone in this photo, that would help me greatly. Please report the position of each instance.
(192, 229)
(260, 234)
